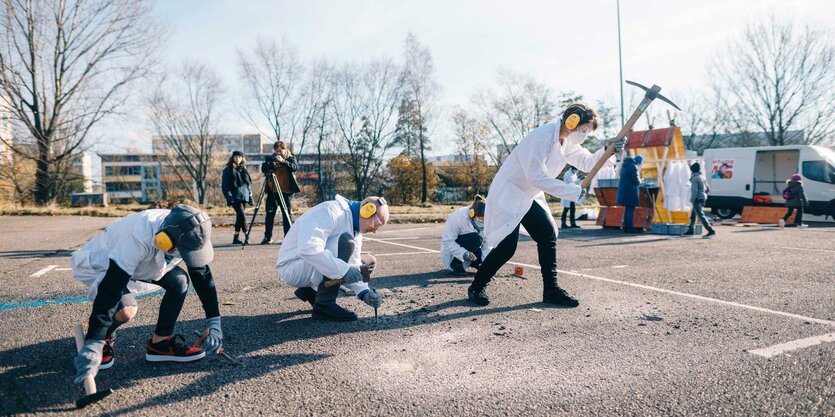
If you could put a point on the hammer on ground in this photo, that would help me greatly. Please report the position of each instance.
(221, 352)
(90, 393)
(651, 94)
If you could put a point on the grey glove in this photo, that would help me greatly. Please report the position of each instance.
(469, 256)
(214, 341)
(372, 298)
(582, 199)
(353, 275)
(618, 144)
(88, 360)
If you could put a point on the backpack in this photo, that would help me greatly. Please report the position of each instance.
(788, 194)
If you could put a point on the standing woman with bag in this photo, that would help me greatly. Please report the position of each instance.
(795, 200)
(237, 190)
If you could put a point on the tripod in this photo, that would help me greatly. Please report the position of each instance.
(270, 177)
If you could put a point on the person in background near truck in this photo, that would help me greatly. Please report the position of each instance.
(462, 238)
(627, 195)
(698, 196)
(795, 199)
(569, 207)
(236, 184)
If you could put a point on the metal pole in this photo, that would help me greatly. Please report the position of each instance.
(620, 67)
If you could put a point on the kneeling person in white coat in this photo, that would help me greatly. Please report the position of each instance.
(517, 197)
(325, 244)
(133, 255)
(462, 239)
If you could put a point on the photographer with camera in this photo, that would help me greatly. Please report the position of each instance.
(236, 185)
(282, 164)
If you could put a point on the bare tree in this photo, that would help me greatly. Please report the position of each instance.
(420, 89)
(470, 142)
(64, 66)
(780, 77)
(184, 112)
(519, 105)
(273, 75)
(365, 101)
(706, 120)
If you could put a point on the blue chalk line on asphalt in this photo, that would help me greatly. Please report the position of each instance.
(41, 303)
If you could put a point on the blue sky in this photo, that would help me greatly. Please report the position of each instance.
(567, 44)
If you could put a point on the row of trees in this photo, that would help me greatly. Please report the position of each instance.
(67, 65)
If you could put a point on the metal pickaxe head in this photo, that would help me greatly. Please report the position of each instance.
(652, 93)
(92, 398)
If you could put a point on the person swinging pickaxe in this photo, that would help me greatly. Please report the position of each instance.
(651, 94)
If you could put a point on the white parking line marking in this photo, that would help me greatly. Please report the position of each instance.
(409, 230)
(403, 245)
(44, 271)
(402, 238)
(63, 269)
(402, 253)
(807, 249)
(771, 351)
(656, 289)
(619, 266)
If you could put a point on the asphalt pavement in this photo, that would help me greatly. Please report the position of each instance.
(742, 324)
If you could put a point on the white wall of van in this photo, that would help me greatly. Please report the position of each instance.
(737, 175)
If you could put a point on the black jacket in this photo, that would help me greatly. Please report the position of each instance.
(236, 185)
(288, 167)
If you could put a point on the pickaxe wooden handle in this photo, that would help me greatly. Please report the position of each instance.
(651, 94)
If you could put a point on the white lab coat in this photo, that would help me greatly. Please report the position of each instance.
(129, 242)
(529, 172)
(309, 251)
(457, 224)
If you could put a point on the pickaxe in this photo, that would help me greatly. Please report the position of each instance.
(651, 94)
(90, 393)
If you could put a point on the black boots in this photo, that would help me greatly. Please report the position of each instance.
(558, 296)
(306, 294)
(236, 240)
(458, 267)
(325, 307)
(478, 295)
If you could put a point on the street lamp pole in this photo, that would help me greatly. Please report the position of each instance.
(620, 67)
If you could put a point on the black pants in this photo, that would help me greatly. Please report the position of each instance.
(628, 217)
(175, 283)
(273, 205)
(240, 220)
(471, 242)
(566, 210)
(542, 232)
(798, 219)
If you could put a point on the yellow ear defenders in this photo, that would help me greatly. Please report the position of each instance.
(472, 212)
(368, 210)
(572, 121)
(163, 241)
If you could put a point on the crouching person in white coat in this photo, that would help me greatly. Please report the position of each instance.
(133, 255)
(462, 239)
(325, 244)
(517, 197)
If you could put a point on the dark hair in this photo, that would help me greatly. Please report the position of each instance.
(279, 144)
(231, 162)
(587, 114)
(478, 205)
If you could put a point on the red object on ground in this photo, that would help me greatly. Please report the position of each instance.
(518, 270)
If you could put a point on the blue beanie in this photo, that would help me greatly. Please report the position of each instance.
(639, 159)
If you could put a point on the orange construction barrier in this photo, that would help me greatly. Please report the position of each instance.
(764, 215)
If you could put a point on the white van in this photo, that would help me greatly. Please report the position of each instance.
(741, 177)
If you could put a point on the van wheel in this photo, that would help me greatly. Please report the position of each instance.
(724, 213)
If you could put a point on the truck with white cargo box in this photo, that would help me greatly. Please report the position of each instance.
(757, 176)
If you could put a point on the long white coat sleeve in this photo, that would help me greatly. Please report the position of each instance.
(536, 173)
(452, 229)
(580, 158)
(312, 239)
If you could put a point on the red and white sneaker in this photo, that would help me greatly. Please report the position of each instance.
(107, 352)
(172, 349)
